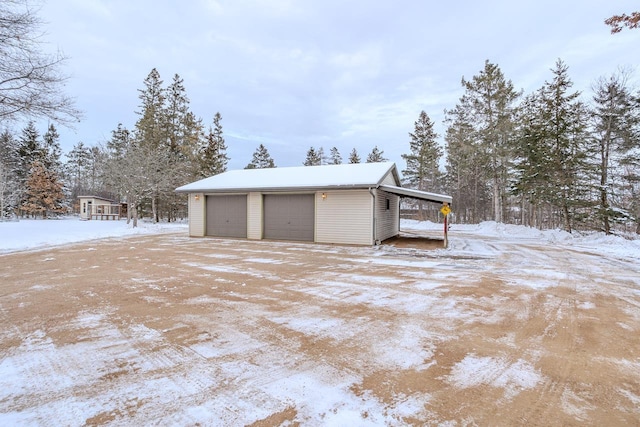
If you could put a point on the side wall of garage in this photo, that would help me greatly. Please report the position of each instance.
(387, 215)
(344, 217)
(196, 205)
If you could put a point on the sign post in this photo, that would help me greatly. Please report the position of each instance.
(445, 210)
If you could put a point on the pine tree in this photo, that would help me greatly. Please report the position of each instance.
(77, 168)
(464, 174)
(44, 192)
(261, 159)
(422, 170)
(613, 129)
(174, 115)
(30, 149)
(334, 157)
(9, 184)
(121, 140)
(322, 156)
(376, 156)
(556, 148)
(52, 151)
(313, 158)
(149, 127)
(488, 102)
(214, 153)
(354, 157)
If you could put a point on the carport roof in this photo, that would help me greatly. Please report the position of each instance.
(358, 175)
(417, 194)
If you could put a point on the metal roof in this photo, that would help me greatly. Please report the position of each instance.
(417, 194)
(306, 178)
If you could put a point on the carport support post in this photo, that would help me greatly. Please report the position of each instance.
(446, 229)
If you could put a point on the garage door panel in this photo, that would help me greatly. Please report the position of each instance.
(227, 216)
(289, 216)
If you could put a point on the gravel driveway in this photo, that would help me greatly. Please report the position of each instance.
(171, 330)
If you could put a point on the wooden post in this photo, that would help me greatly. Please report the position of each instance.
(445, 211)
(446, 231)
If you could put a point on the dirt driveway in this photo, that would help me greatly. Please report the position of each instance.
(168, 330)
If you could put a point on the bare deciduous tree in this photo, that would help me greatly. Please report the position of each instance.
(31, 81)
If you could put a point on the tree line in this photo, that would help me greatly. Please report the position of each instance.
(548, 159)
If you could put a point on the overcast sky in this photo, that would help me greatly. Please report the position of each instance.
(298, 73)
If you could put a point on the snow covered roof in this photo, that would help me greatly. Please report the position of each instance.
(358, 175)
(417, 194)
(97, 197)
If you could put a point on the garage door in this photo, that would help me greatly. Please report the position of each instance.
(227, 216)
(289, 216)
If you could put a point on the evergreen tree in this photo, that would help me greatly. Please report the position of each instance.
(313, 158)
(149, 127)
(175, 110)
(334, 157)
(322, 156)
(121, 140)
(464, 174)
(44, 192)
(557, 149)
(9, 184)
(488, 102)
(77, 168)
(354, 157)
(261, 159)
(52, 151)
(613, 122)
(30, 149)
(422, 170)
(422, 162)
(376, 156)
(214, 153)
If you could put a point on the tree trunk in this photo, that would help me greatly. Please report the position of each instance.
(497, 201)
(154, 209)
(135, 215)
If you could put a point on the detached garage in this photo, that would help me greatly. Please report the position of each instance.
(348, 204)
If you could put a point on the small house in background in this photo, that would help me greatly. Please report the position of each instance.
(347, 204)
(94, 207)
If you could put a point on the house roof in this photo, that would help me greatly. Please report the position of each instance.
(97, 197)
(358, 175)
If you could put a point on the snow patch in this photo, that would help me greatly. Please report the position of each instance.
(473, 371)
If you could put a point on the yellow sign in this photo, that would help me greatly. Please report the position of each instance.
(446, 210)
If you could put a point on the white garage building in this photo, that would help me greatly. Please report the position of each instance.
(347, 204)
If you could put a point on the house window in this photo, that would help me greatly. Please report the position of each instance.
(84, 208)
(388, 204)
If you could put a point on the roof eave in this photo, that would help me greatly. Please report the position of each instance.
(277, 189)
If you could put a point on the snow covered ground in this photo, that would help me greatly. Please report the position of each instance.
(628, 248)
(37, 234)
(509, 325)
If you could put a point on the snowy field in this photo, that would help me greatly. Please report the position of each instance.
(38, 234)
(509, 325)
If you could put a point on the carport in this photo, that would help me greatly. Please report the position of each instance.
(422, 195)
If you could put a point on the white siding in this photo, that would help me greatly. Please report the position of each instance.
(387, 220)
(344, 217)
(197, 215)
(389, 179)
(254, 216)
